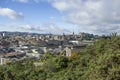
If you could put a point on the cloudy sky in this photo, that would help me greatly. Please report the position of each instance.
(60, 16)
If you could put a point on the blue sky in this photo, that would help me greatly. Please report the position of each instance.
(60, 16)
(33, 17)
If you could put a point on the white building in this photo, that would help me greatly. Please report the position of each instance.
(68, 52)
(2, 61)
(38, 64)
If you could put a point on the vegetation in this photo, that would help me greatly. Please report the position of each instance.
(100, 61)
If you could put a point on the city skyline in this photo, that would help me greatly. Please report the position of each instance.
(60, 16)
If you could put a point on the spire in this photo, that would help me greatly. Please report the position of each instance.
(73, 32)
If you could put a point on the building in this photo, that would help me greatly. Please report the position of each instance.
(38, 64)
(68, 52)
(2, 61)
(15, 55)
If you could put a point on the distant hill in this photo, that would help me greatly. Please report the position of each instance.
(7, 33)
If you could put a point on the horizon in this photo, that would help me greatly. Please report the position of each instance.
(101, 17)
(43, 33)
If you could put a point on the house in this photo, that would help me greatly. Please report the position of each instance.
(14, 54)
(38, 64)
(2, 61)
(36, 55)
(43, 49)
(68, 52)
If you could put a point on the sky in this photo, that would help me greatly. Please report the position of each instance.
(60, 16)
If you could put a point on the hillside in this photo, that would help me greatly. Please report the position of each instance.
(100, 61)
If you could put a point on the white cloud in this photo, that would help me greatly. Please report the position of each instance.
(10, 13)
(26, 1)
(97, 16)
(1, 24)
(52, 17)
(62, 5)
(54, 29)
(45, 28)
(27, 27)
(22, 1)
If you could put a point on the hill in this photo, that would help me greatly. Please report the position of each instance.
(100, 61)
